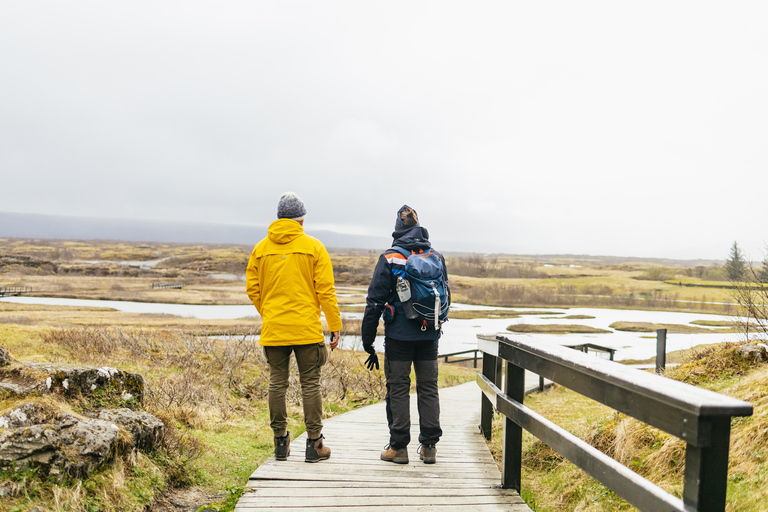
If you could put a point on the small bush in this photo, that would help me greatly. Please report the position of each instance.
(657, 274)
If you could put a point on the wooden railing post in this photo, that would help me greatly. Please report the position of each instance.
(661, 350)
(512, 461)
(706, 468)
(486, 407)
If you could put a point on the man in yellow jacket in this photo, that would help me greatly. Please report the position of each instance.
(289, 279)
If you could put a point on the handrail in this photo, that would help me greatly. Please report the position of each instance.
(473, 351)
(13, 290)
(162, 286)
(698, 416)
(584, 347)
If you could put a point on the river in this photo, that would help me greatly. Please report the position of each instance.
(461, 334)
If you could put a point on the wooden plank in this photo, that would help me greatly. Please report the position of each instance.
(465, 477)
(360, 486)
(320, 492)
(384, 477)
(453, 464)
(373, 501)
(474, 507)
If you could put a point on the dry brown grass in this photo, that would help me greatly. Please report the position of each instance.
(557, 329)
(711, 364)
(42, 316)
(198, 290)
(651, 327)
(593, 287)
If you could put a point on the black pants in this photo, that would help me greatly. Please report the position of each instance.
(398, 358)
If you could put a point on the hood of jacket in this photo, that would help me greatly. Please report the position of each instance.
(414, 238)
(283, 231)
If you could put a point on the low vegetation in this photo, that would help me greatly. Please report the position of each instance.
(211, 394)
(556, 329)
(212, 274)
(469, 314)
(671, 328)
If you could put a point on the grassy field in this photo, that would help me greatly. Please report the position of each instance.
(211, 392)
(80, 269)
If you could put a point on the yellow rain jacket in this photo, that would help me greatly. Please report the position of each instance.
(289, 278)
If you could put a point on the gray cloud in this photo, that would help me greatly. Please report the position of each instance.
(590, 127)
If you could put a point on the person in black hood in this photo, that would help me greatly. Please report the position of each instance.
(406, 343)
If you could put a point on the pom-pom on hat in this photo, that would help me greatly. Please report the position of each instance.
(290, 207)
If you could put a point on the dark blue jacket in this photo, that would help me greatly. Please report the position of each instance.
(381, 294)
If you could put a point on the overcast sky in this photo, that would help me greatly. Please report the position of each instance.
(612, 128)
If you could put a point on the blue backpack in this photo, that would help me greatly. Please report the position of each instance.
(429, 292)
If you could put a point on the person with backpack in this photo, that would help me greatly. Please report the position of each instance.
(410, 288)
(289, 279)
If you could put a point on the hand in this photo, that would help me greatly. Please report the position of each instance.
(373, 360)
(334, 340)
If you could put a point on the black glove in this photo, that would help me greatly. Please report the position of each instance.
(373, 360)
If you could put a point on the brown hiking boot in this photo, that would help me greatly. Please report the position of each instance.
(283, 447)
(316, 450)
(428, 453)
(398, 456)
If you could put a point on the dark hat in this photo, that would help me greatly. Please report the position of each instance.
(290, 207)
(406, 218)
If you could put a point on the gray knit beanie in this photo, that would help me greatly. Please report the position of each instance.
(290, 207)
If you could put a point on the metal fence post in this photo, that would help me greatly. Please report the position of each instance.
(512, 455)
(486, 408)
(661, 350)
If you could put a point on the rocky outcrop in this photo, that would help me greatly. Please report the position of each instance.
(46, 435)
(76, 380)
(58, 443)
(757, 352)
(147, 431)
(68, 380)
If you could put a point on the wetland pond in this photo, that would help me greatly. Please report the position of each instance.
(461, 334)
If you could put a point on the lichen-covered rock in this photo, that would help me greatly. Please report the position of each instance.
(5, 357)
(111, 383)
(38, 435)
(756, 353)
(147, 430)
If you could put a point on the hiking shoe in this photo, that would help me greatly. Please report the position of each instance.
(316, 450)
(283, 447)
(427, 453)
(396, 455)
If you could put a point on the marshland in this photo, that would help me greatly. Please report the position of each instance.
(206, 376)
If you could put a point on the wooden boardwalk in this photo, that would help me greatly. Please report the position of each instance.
(355, 479)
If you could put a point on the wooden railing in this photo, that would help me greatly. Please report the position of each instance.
(699, 417)
(474, 358)
(164, 286)
(13, 290)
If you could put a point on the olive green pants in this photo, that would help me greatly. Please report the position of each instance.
(309, 359)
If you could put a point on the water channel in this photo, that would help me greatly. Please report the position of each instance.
(459, 334)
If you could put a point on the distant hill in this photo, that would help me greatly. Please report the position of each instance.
(26, 225)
